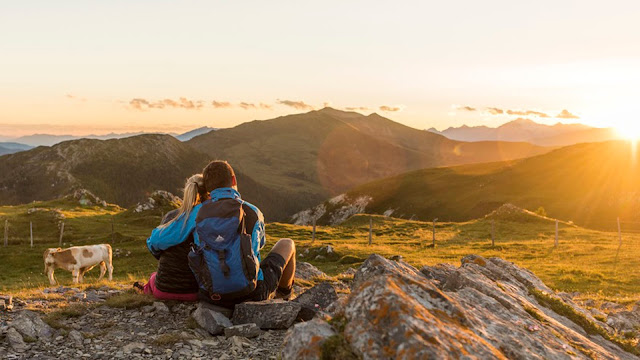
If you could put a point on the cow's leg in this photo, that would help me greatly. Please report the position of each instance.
(82, 272)
(103, 269)
(52, 280)
(75, 273)
(110, 265)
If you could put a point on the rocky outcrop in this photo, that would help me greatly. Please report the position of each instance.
(158, 199)
(486, 308)
(316, 299)
(270, 314)
(306, 271)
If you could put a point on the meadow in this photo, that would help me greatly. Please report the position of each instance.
(586, 261)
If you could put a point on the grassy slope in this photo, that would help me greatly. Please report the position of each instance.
(590, 184)
(583, 262)
(307, 157)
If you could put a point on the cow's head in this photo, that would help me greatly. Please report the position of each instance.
(49, 260)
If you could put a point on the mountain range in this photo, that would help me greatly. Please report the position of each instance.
(11, 148)
(530, 131)
(284, 165)
(50, 140)
(590, 184)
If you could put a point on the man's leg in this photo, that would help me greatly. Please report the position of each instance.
(287, 249)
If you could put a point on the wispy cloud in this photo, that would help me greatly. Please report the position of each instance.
(266, 106)
(388, 108)
(357, 108)
(527, 113)
(565, 114)
(495, 111)
(181, 103)
(74, 97)
(247, 106)
(221, 104)
(466, 108)
(299, 105)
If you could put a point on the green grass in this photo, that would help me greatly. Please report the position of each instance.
(585, 260)
(560, 307)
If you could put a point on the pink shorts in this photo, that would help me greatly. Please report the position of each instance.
(150, 288)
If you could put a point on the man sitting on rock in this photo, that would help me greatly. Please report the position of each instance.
(228, 238)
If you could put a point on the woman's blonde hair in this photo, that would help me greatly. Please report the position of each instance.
(194, 194)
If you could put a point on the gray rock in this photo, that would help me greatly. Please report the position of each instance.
(15, 341)
(3, 305)
(304, 341)
(484, 308)
(306, 271)
(76, 338)
(29, 324)
(212, 321)
(134, 347)
(244, 330)
(160, 307)
(270, 314)
(316, 299)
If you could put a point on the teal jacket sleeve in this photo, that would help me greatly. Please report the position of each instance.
(175, 233)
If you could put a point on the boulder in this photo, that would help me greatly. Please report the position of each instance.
(306, 271)
(15, 341)
(210, 320)
(304, 341)
(29, 324)
(244, 330)
(270, 314)
(486, 308)
(318, 298)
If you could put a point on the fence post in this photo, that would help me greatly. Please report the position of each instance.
(556, 243)
(313, 232)
(434, 232)
(370, 230)
(112, 231)
(619, 243)
(493, 237)
(61, 233)
(6, 232)
(31, 232)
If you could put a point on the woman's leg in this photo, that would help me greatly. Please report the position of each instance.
(287, 249)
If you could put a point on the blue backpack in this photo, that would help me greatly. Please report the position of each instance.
(223, 261)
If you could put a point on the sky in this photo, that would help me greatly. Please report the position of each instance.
(83, 67)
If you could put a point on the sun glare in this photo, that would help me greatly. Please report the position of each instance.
(630, 131)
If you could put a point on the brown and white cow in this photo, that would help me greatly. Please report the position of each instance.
(78, 260)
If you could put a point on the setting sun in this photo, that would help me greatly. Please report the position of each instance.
(629, 130)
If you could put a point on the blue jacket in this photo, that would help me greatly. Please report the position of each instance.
(254, 221)
(176, 233)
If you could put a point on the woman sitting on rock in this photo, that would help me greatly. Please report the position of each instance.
(171, 242)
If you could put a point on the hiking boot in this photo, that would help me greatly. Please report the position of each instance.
(284, 294)
(137, 285)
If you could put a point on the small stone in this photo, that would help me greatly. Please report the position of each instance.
(160, 307)
(212, 321)
(15, 340)
(134, 347)
(245, 330)
(148, 309)
(76, 338)
(3, 305)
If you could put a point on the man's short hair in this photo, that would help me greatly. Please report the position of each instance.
(218, 174)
